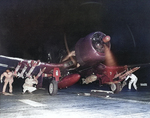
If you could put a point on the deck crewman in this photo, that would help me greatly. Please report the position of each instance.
(133, 81)
(8, 74)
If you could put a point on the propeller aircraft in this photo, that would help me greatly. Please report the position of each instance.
(91, 60)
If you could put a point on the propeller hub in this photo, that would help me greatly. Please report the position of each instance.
(106, 39)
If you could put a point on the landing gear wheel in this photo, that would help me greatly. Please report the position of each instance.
(53, 87)
(116, 88)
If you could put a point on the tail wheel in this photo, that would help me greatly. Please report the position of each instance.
(116, 88)
(53, 87)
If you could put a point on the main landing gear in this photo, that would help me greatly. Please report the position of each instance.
(53, 87)
(117, 87)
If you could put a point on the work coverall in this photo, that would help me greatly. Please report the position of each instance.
(28, 85)
(132, 81)
(8, 79)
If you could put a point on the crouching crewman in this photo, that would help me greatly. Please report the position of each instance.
(29, 84)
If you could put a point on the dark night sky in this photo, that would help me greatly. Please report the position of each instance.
(32, 28)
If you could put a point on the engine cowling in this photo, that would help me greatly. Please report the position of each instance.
(91, 50)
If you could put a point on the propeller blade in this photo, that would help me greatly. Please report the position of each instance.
(68, 51)
(109, 57)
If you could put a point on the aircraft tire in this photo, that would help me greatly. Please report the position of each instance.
(116, 88)
(53, 88)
